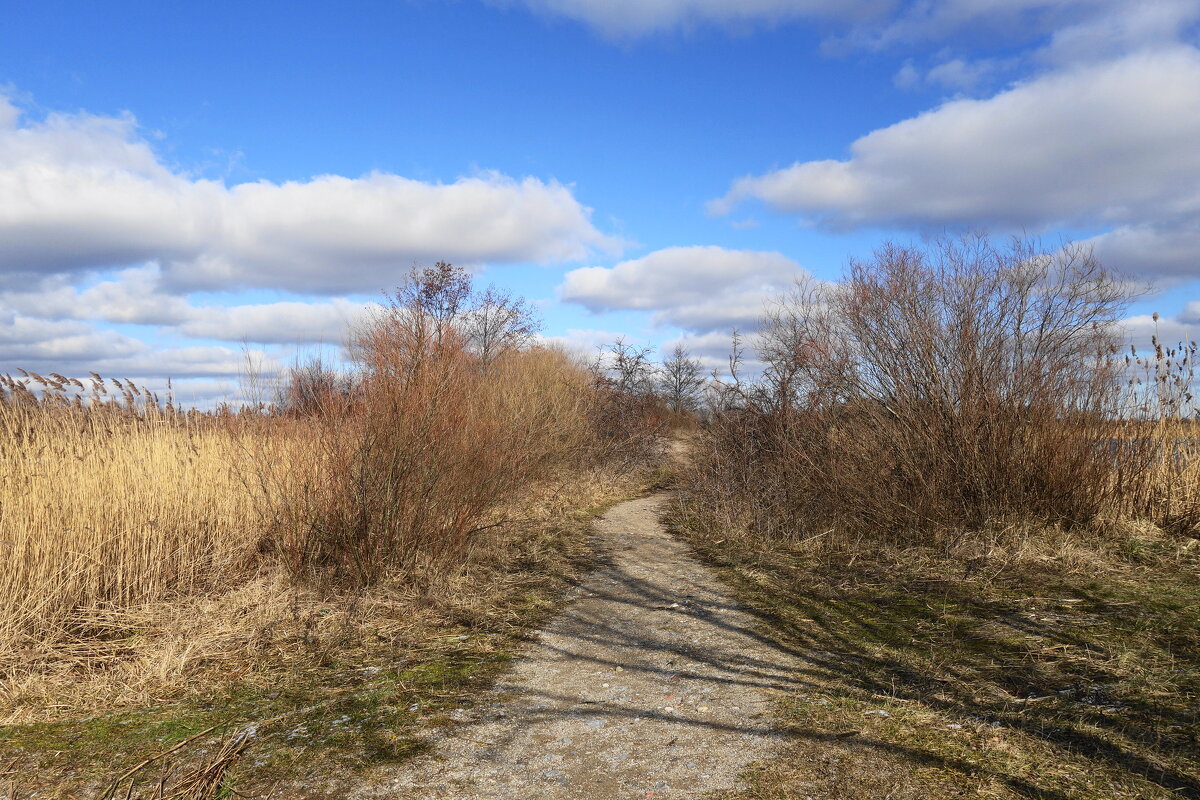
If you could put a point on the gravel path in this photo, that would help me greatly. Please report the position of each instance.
(650, 683)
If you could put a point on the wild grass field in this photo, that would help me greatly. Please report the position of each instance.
(948, 486)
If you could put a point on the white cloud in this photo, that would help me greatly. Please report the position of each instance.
(137, 296)
(1077, 29)
(1140, 329)
(627, 18)
(75, 347)
(1117, 27)
(585, 343)
(696, 288)
(280, 323)
(27, 341)
(1169, 250)
(84, 192)
(955, 75)
(1111, 143)
(1191, 313)
(188, 362)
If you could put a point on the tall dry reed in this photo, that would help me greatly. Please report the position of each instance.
(114, 504)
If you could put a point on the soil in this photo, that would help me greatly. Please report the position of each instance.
(650, 683)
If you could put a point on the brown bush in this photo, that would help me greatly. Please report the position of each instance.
(436, 433)
(931, 391)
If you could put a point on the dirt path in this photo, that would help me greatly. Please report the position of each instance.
(649, 684)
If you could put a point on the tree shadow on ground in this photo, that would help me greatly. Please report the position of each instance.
(1016, 658)
(1100, 674)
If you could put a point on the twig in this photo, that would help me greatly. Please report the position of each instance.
(109, 793)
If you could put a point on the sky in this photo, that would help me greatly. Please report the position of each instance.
(188, 188)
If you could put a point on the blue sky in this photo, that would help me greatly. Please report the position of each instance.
(179, 179)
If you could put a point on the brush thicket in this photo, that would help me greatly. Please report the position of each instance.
(935, 393)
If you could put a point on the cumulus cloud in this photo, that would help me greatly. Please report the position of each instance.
(696, 288)
(1169, 250)
(84, 192)
(75, 347)
(1110, 143)
(1076, 29)
(585, 343)
(26, 340)
(1114, 27)
(1139, 330)
(137, 296)
(280, 323)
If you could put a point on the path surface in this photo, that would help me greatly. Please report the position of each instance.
(651, 683)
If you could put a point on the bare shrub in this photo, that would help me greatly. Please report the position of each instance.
(442, 429)
(313, 387)
(931, 391)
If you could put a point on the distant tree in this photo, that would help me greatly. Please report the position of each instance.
(439, 294)
(497, 321)
(680, 381)
(626, 368)
(436, 309)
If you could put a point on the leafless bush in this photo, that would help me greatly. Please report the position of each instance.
(627, 415)
(930, 391)
(313, 387)
(449, 419)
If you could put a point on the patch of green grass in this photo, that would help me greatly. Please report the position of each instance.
(927, 677)
(311, 724)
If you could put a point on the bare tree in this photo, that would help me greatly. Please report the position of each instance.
(626, 368)
(441, 293)
(680, 381)
(436, 309)
(497, 322)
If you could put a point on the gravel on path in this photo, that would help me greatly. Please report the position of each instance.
(650, 683)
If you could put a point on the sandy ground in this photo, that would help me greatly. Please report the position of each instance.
(650, 683)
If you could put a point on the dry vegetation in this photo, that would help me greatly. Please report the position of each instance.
(165, 568)
(954, 493)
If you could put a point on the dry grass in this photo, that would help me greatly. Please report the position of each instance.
(107, 510)
(151, 552)
(326, 677)
(976, 520)
(1022, 663)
